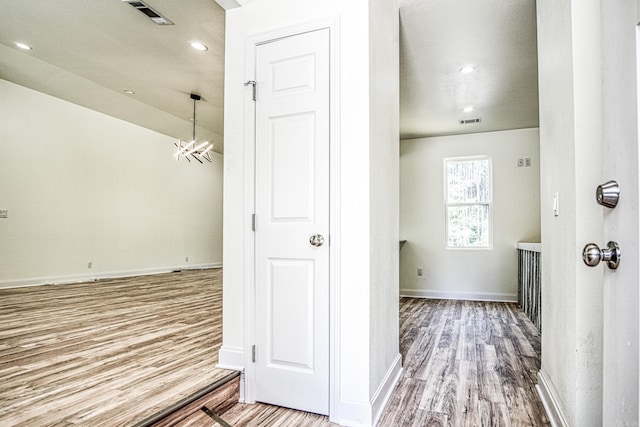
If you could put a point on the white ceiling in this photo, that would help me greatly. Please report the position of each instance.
(438, 37)
(90, 51)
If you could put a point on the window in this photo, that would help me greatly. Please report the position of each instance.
(468, 201)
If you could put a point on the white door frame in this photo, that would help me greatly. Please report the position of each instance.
(248, 391)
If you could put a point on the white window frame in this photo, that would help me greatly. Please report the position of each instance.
(453, 204)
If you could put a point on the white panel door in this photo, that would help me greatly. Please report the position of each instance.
(292, 205)
(621, 58)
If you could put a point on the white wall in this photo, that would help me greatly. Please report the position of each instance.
(384, 176)
(467, 274)
(357, 311)
(570, 81)
(81, 186)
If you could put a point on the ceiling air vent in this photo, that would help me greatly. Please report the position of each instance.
(150, 13)
(469, 121)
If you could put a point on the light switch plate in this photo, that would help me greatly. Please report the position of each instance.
(556, 204)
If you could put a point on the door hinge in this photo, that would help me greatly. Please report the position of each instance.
(253, 222)
(253, 87)
(253, 353)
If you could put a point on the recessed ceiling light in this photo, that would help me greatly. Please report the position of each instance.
(23, 46)
(468, 109)
(129, 92)
(198, 46)
(467, 69)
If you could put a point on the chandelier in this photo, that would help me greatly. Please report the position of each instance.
(192, 149)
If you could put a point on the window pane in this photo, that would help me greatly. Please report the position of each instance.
(468, 181)
(468, 226)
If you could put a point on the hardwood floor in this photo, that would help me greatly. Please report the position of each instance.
(221, 408)
(114, 352)
(107, 353)
(465, 364)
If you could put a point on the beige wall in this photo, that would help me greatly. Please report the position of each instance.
(467, 274)
(81, 186)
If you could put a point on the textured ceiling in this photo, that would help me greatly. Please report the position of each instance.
(438, 37)
(90, 51)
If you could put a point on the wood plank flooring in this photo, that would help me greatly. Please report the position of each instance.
(199, 412)
(114, 352)
(465, 364)
(110, 352)
(221, 408)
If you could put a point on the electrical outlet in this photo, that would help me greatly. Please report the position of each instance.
(527, 162)
(520, 163)
(90, 264)
(4, 213)
(186, 259)
(420, 271)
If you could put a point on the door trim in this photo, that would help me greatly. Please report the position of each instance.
(332, 23)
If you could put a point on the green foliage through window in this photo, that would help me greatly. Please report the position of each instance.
(468, 202)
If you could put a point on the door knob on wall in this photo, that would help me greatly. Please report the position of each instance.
(592, 255)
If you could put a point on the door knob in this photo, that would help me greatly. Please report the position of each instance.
(316, 240)
(608, 194)
(592, 255)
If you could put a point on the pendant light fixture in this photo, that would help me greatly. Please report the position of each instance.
(193, 149)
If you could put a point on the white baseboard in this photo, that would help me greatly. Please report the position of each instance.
(385, 390)
(242, 399)
(367, 414)
(550, 401)
(467, 296)
(64, 280)
(230, 357)
(354, 414)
